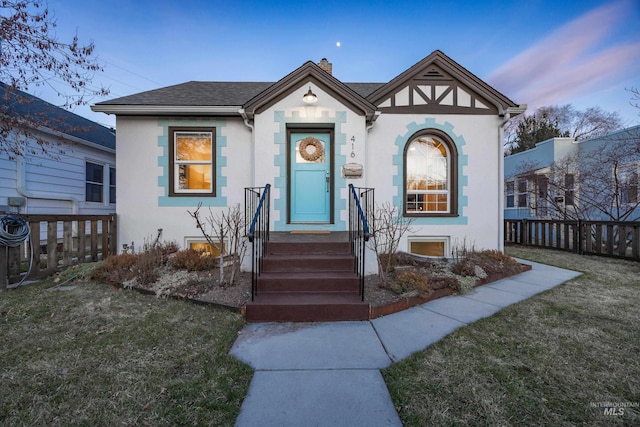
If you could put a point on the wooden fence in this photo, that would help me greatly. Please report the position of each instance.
(58, 241)
(605, 238)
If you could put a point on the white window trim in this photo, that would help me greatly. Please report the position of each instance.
(189, 240)
(430, 239)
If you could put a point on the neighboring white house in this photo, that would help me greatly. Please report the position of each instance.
(429, 142)
(594, 179)
(77, 176)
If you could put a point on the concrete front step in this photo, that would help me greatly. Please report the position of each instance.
(307, 307)
(326, 281)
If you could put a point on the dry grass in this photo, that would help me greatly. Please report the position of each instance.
(541, 362)
(95, 356)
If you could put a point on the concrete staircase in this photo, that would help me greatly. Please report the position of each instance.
(307, 280)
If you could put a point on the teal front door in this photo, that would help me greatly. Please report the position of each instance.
(311, 183)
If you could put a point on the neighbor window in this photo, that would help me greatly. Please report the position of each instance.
(509, 194)
(522, 193)
(112, 185)
(569, 192)
(542, 187)
(192, 158)
(430, 176)
(628, 183)
(94, 182)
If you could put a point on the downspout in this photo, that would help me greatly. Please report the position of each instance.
(505, 115)
(370, 126)
(248, 124)
(21, 188)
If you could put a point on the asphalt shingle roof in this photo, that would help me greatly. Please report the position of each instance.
(196, 93)
(55, 118)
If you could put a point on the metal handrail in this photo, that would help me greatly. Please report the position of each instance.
(359, 228)
(258, 232)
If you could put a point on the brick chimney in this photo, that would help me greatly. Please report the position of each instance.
(326, 65)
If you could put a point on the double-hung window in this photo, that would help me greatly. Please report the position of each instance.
(192, 158)
(94, 182)
(509, 194)
(430, 176)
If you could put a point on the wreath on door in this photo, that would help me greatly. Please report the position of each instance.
(318, 149)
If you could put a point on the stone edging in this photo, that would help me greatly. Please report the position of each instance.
(405, 303)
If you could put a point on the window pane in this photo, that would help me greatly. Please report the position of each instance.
(510, 201)
(428, 248)
(93, 193)
(94, 172)
(194, 177)
(427, 166)
(193, 146)
(206, 248)
(112, 176)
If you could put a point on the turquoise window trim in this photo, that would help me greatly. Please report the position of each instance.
(280, 163)
(398, 179)
(163, 162)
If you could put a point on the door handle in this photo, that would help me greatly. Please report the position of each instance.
(328, 180)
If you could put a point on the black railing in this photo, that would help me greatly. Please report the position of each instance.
(256, 200)
(361, 205)
(604, 238)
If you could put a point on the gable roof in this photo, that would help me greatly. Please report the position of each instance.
(310, 72)
(228, 98)
(23, 105)
(434, 83)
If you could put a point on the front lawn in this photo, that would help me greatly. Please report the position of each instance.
(93, 355)
(555, 359)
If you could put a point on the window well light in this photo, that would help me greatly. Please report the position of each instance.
(310, 97)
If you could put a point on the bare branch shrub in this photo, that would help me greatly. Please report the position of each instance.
(387, 228)
(217, 229)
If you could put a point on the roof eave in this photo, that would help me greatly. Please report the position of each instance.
(140, 110)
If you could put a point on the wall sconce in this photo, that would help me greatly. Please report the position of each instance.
(310, 97)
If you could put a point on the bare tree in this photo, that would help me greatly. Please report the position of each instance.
(32, 56)
(387, 229)
(523, 132)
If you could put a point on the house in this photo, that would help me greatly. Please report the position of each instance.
(74, 174)
(429, 142)
(595, 179)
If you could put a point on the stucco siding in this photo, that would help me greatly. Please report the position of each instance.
(479, 179)
(145, 207)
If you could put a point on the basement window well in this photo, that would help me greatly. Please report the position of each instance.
(429, 246)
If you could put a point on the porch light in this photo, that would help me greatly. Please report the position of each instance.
(310, 97)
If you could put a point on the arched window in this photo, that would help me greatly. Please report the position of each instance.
(430, 172)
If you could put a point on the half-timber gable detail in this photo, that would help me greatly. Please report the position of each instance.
(435, 91)
(438, 85)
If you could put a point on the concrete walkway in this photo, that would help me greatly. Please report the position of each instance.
(328, 374)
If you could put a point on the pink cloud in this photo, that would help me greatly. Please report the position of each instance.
(566, 62)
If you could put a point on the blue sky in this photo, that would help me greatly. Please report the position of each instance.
(536, 52)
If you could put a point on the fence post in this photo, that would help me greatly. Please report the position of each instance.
(4, 271)
(580, 236)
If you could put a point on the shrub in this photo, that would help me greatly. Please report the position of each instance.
(192, 260)
(143, 267)
(408, 281)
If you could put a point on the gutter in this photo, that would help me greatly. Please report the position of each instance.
(166, 109)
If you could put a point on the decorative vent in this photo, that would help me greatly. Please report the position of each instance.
(433, 73)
